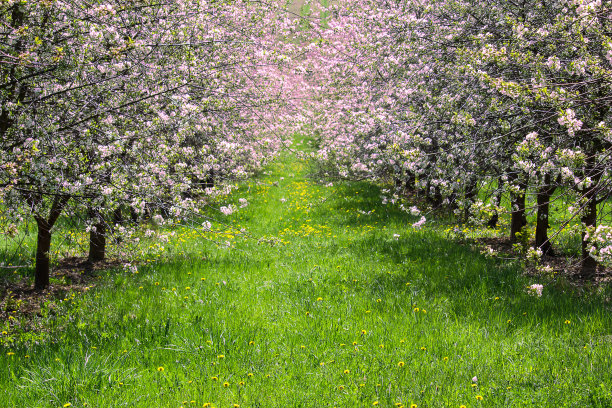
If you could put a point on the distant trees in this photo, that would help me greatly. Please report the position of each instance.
(452, 97)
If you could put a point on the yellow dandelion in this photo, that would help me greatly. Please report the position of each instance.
(226, 384)
(319, 299)
(206, 405)
(479, 397)
(413, 405)
(445, 359)
(156, 283)
(378, 300)
(10, 353)
(221, 356)
(66, 405)
(203, 279)
(346, 371)
(364, 332)
(416, 309)
(249, 374)
(354, 343)
(236, 406)
(160, 368)
(214, 378)
(321, 363)
(400, 364)
(567, 322)
(423, 348)
(375, 403)
(251, 343)
(307, 313)
(341, 387)
(462, 406)
(241, 383)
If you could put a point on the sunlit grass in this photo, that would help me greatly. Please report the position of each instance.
(327, 298)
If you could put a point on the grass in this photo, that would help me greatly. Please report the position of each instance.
(319, 306)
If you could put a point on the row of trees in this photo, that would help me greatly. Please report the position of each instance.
(458, 98)
(139, 104)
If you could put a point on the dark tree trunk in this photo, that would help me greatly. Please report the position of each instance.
(588, 267)
(43, 242)
(97, 240)
(43, 246)
(470, 193)
(519, 219)
(542, 225)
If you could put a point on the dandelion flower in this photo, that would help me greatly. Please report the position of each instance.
(221, 356)
(319, 299)
(400, 364)
(341, 387)
(375, 403)
(160, 368)
(66, 405)
(413, 405)
(346, 371)
(479, 397)
(567, 322)
(226, 384)
(364, 332)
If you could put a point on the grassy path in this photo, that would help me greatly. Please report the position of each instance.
(340, 304)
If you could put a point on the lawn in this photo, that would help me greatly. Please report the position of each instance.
(326, 298)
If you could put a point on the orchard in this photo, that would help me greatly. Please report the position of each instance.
(397, 203)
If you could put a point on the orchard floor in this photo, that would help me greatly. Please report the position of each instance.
(326, 299)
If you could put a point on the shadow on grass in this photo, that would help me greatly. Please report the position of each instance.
(471, 284)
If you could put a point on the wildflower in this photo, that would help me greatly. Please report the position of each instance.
(66, 405)
(341, 387)
(535, 289)
(400, 364)
(251, 343)
(416, 309)
(413, 405)
(10, 353)
(236, 406)
(226, 384)
(364, 332)
(423, 348)
(381, 346)
(378, 300)
(462, 406)
(445, 359)
(346, 371)
(249, 374)
(375, 403)
(567, 322)
(214, 378)
(241, 383)
(479, 397)
(221, 356)
(160, 368)
(319, 299)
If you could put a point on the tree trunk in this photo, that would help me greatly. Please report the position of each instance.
(519, 219)
(43, 246)
(588, 267)
(97, 240)
(542, 225)
(43, 242)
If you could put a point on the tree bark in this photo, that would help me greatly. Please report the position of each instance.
(43, 242)
(542, 225)
(588, 267)
(43, 246)
(97, 240)
(519, 219)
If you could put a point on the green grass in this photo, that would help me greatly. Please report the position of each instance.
(320, 306)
